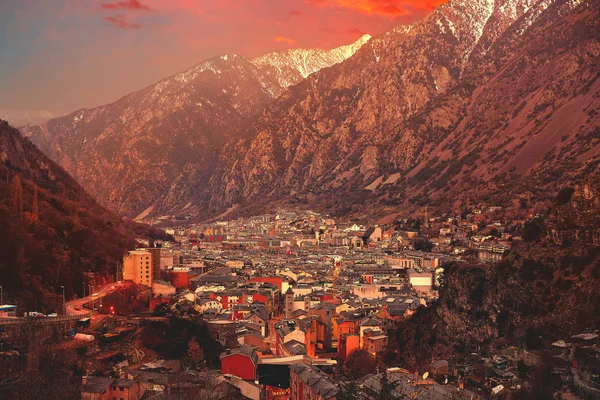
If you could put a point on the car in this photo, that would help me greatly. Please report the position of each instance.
(35, 314)
(52, 315)
(78, 307)
(94, 294)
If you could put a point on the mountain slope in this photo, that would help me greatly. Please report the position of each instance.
(155, 148)
(479, 94)
(52, 230)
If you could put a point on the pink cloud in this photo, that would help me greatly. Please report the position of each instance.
(355, 31)
(286, 40)
(386, 8)
(122, 22)
(132, 5)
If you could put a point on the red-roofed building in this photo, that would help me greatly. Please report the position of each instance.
(240, 362)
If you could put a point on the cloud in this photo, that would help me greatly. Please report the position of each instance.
(286, 40)
(294, 14)
(131, 5)
(122, 22)
(386, 8)
(355, 31)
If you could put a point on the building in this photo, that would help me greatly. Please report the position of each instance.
(289, 302)
(155, 260)
(102, 388)
(375, 343)
(420, 281)
(8, 310)
(308, 383)
(137, 267)
(181, 278)
(347, 343)
(96, 388)
(240, 362)
(162, 288)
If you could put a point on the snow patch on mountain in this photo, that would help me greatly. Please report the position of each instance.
(291, 66)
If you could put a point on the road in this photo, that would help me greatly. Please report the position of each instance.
(74, 307)
(74, 310)
(273, 335)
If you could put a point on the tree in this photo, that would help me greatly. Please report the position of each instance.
(195, 354)
(360, 363)
(349, 391)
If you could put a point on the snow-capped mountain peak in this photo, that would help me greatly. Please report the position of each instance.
(291, 66)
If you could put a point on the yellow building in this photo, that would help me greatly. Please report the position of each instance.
(137, 267)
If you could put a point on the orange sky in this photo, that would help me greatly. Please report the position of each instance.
(66, 54)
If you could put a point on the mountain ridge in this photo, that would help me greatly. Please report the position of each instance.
(470, 97)
(166, 137)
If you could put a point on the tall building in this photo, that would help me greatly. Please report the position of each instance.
(155, 261)
(289, 302)
(137, 267)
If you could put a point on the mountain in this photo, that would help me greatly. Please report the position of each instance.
(26, 117)
(293, 66)
(154, 149)
(52, 230)
(481, 100)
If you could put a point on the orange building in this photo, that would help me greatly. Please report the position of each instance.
(137, 267)
(181, 279)
(348, 343)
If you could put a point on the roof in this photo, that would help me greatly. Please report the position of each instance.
(289, 291)
(315, 379)
(244, 350)
(204, 301)
(295, 347)
(440, 363)
(123, 382)
(96, 384)
(370, 322)
(378, 337)
(299, 312)
(161, 282)
(153, 395)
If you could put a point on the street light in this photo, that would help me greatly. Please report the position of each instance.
(64, 305)
(1, 297)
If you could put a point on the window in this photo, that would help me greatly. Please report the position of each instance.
(121, 389)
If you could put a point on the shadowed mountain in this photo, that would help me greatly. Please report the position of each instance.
(52, 230)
